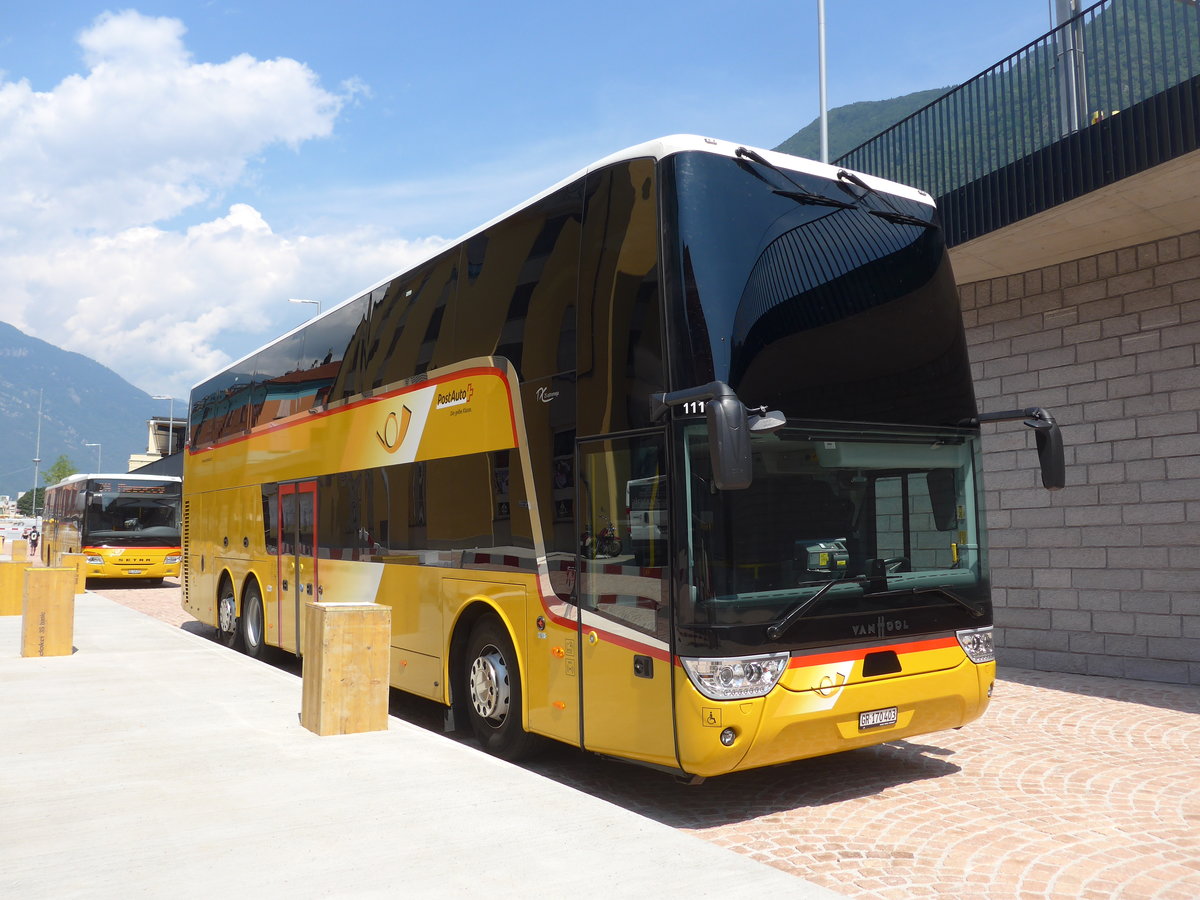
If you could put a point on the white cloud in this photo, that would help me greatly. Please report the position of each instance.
(91, 168)
(158, 304)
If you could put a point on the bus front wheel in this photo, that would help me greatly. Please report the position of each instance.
(227, 624)
(493, 686)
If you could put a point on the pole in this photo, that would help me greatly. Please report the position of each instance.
(37, 456)
(821, 80)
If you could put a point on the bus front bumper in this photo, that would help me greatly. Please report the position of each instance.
(785, 726)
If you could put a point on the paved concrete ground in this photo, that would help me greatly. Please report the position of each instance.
(1070, 787)
(154, 763)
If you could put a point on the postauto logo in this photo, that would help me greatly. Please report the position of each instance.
(455, 397)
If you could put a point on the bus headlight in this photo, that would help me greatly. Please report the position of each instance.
(733, 677)
(978, 644)
(94, 560)
(171, 560)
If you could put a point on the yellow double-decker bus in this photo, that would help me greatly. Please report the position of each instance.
(126, 525)
(676, 462)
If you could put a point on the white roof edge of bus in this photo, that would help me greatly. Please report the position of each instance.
(124, 475)
(659, 148)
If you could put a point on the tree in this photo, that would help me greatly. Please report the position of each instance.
(30, 500)
(62, 468)
(25, 501)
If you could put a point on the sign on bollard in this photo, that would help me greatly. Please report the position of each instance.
(48, 612)
(78, 562)
(346, 667)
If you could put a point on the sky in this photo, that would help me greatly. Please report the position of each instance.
(173, 173)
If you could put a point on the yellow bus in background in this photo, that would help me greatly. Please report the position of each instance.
(677, 462)
(126, 525)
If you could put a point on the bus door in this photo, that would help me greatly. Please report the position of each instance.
(297, 561)
(623, 602)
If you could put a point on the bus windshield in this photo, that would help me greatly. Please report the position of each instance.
(141, 517)
(823, 312)
(840, 521)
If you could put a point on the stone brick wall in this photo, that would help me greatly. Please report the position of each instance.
(1102, 577)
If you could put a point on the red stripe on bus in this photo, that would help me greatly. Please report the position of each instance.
(850, 654)
(365, 401)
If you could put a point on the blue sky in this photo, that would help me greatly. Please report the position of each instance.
(175, 171)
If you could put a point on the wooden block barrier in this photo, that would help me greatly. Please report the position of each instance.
(78, 562)
(12, 585)
(48, 612)
(345, 683)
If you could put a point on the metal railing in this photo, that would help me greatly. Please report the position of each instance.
(1106, 60)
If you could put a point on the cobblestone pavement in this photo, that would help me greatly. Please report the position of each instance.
(1069, 787)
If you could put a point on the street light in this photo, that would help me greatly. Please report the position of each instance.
(298, 300)
(821, 80)
(97, 446)
(171, 420)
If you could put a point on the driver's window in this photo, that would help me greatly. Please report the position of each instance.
(906, 531)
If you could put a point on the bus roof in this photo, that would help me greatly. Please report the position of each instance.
(658, 149)
(123, 476)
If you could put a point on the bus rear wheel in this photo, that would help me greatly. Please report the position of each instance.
(251, 623)
(492, 682)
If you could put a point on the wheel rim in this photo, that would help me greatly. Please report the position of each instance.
(226, 620)
(489, 686)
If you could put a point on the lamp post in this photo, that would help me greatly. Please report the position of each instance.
(37, 457)
(821, 80)
(171, 421)
(298, 300)
(97, 446)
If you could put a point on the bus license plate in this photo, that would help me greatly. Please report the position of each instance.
(139, 572)
(877, 718)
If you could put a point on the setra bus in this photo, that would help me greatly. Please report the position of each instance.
(758, 359)
(126, 525)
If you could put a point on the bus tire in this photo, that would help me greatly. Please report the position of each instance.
(227, 631)
(251, 623)
(492, 681)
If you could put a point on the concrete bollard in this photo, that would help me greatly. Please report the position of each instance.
(48, 612)
(12, 585)
(346, 667)
(18, 549)
(78, 562)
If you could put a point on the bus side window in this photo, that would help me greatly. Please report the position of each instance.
(620, 354)
(624, 571)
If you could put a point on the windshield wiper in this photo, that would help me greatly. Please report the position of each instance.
(814, 199)
(940, 591)
(900, 218)
(778, 628)
(891, 214)
(801, 194)
(950, 595)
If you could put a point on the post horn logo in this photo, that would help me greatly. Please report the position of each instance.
(394, 429)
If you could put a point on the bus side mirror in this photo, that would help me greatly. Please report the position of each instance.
(728, 429)
(1048, 436)
(1049, 449)
(729, 443)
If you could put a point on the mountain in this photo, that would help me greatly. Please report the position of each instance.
(82, 402)
(855, 123)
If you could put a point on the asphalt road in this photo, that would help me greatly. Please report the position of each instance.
(1070, 787)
